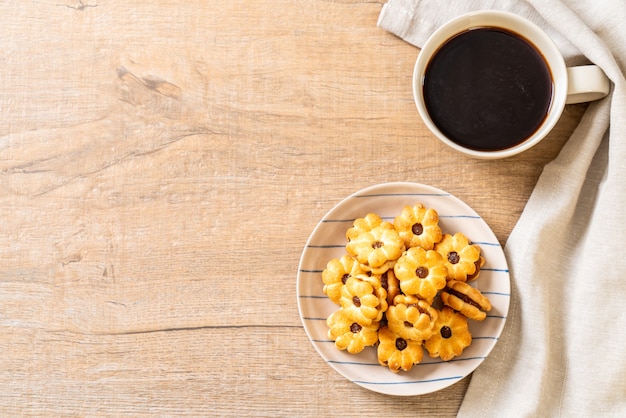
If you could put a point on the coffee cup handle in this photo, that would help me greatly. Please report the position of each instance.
(586, 83)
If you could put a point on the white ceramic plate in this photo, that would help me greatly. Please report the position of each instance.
(328, 241)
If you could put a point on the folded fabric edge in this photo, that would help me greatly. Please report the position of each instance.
(414, 21)
(404, 24)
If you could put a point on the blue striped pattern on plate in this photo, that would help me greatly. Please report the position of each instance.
(328, 241)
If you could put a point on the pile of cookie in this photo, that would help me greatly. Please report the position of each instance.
(403, 287)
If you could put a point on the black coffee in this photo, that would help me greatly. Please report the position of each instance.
(487, 89)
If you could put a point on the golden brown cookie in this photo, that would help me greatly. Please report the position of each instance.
(465, 299)
(421, 272)
(337, 272)
(397, 353)
(363, 302)
(377, 249)
(450, 337)
(362, 225)
(350, 335)
(411, 318)
(418, 226)
(460, 256)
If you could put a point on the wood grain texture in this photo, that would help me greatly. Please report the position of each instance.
(162, 164)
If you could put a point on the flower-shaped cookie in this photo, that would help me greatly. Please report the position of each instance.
(362, 225)
(397, 353)
(461, 257)
(349, 335)
(378, 249)
(411, 318)
(336, 274)
(451, 335)
(421, 272)
(363, 301)
(463, 298)
(418, 226)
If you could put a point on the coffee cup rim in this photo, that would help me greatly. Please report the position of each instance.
(470, 20)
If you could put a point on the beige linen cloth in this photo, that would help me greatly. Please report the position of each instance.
(563, 349)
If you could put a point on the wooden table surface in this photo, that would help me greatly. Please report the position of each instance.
(162, 164)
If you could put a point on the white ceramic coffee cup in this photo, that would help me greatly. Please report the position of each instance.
(570, 85)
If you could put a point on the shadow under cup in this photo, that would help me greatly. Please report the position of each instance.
(490, 84)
